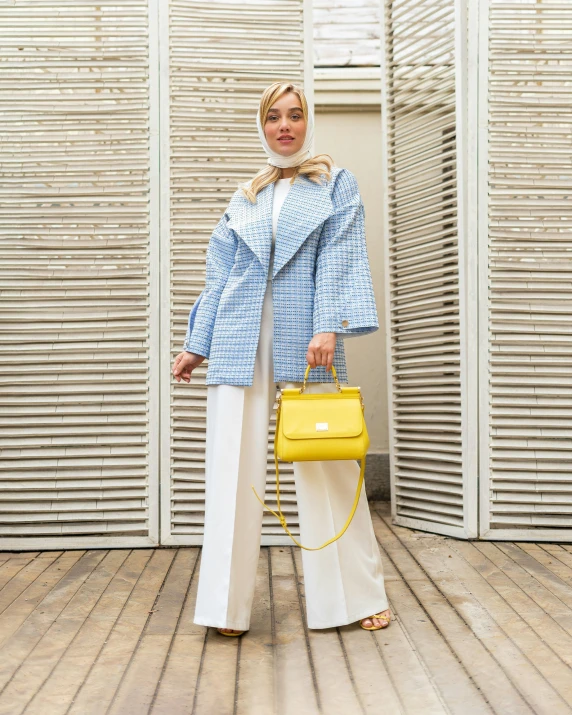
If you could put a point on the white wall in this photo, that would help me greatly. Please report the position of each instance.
(353, 139)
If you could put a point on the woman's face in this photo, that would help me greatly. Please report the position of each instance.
(285, 126)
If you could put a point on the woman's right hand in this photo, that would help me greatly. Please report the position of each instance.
(184, 364)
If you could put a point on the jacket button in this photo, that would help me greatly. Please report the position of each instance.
(345, 323)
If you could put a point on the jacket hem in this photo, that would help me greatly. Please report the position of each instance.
(243, 382)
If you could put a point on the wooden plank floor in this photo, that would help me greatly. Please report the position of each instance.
(479, 628)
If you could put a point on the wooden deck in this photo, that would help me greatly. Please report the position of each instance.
(480, 628)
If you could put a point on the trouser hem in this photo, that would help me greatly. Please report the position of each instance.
(221, 624)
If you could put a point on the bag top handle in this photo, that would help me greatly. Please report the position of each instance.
(308, 372)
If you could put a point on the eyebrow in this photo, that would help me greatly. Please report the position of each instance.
(292, 109)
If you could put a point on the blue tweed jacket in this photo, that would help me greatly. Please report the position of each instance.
(321, 281)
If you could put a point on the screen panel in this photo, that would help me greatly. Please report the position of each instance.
(221, 56)
(78, 464)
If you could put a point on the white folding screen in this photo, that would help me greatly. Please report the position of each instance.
(476, 121)
(79, 454)
(432, 422)
(125, 128)
(525, 148)
(221, 56)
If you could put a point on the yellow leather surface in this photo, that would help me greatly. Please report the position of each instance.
(321, 419)
(324, 448)
(316, 427)
(320, 426)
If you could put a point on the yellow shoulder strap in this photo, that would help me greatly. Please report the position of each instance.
(280, 516)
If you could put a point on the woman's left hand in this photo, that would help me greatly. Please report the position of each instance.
(321, 350)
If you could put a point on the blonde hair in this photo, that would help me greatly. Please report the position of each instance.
(314, 168)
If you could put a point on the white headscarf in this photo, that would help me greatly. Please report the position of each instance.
(284, 162)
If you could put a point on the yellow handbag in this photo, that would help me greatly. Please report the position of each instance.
(319, 426)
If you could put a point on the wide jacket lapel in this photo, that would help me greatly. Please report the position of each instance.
(307, 206)
(253, 223)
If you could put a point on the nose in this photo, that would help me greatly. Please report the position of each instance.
(284, 125)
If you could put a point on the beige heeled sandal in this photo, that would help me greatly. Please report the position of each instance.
(386, 620)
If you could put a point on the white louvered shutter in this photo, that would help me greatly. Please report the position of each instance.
(527, 380)
(78, 460)
(479, 217)
(220, 57)
(432, 420)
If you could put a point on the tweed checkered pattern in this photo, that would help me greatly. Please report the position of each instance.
(321, 281)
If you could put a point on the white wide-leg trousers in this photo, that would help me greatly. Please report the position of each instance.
(343, 581)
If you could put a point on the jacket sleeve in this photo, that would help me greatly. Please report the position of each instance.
(219, 261)
(344, 301)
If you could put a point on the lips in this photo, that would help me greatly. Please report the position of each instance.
(286, 140)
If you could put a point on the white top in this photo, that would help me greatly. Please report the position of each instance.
(281, 188)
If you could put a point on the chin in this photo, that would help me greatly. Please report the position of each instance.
(286, 150)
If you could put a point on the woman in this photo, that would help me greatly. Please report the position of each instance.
(287, 273)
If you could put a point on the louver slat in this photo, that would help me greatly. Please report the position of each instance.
(427, 418)
(221, 56)
(529, 270)
(75, 272)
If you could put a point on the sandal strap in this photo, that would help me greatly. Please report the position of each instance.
(378, 616)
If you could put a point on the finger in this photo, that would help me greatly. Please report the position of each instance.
(310, 358)
(179, 372)
(330, 361)
(184, 376)
(182, 364)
